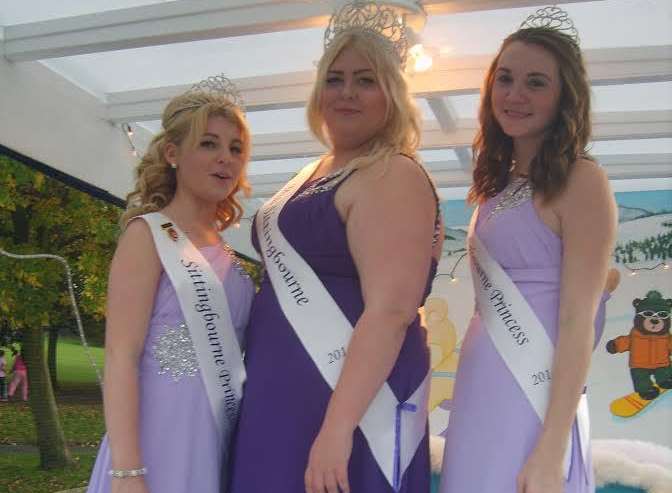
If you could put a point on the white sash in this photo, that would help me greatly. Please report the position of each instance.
(519, 337)
(392, 429)
(206, 311)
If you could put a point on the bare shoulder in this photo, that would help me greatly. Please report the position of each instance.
(400, 172)
(588, 194)
(585, 176)
(587, 183)
(137, 233)
(136, 244)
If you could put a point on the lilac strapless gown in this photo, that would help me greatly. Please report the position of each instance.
(492, 427)
(285, 395)
(177, 430)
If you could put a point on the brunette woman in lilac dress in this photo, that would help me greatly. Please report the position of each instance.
(163, 434)
(547, 217)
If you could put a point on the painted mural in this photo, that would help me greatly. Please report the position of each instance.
(631, 369)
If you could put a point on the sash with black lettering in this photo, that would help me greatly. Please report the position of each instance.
(206, 311)
(392, 429)
(519, 336)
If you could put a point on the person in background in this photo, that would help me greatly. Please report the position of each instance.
(3, 377)
(19, 376)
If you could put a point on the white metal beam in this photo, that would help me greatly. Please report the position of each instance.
(444, 112)
(606, 126)
(437, 7)
(281, 91)
(638, 172)
(646, 165)
(165, 23)
(448, 120)
(449, 76)
(156, 24)
(48, 119)
(448, 174)
(466, 157)
(175, 22)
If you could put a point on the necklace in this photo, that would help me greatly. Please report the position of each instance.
(518, 191)
(512, 170)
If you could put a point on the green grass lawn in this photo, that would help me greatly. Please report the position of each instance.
(72, 362)
(82, 422)
(80, 407)
(19, 473)
(73, 366)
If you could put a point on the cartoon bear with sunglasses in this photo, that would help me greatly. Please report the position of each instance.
(650, 345)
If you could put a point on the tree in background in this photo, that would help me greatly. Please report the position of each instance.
(39, 214)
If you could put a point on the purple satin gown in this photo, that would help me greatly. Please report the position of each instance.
(492, 427)
(177, 430)
(285, 395)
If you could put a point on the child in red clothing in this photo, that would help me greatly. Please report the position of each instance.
(3, 377)
(20, 376)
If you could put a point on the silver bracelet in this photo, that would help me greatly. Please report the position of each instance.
(127, 473)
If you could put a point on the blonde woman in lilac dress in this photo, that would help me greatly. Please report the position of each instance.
(163, 431)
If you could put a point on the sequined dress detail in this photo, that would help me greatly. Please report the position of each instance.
(492, 427)
(177, 430)
(285, 395)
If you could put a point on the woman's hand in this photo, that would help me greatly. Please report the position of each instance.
(328, 460)
(129, 485)
(542, 473)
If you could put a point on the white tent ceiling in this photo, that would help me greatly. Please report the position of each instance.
(74, 70)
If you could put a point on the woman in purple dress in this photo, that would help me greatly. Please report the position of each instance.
(337, 362)
(546, 220)
(163, 430)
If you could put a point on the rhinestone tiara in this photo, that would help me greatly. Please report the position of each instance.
(552, 18)
(371, 19)
(219, 85)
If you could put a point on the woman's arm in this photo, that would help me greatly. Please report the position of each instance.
(134, 276)
(588, 227)
(389, 228)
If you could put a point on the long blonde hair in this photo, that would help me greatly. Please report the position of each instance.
(184, 121)
(401, 131)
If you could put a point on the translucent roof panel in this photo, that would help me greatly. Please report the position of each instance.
(425, 111)
(462, 44)
(44, 10)
(633, 97)
(433, 155)
(277, 166)
(601, 24)
(261, 122)
(653, 146)
(185, 63)
(286, 120)
(466, 106)
(642, 184)
(271, 121)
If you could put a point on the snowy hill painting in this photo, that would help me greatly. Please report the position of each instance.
(642, 255)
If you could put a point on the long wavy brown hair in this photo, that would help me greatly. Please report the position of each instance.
(564, 142)
(184, 122)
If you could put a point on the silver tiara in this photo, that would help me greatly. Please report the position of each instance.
(219, 85)
(552, 18)
(371, 19)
